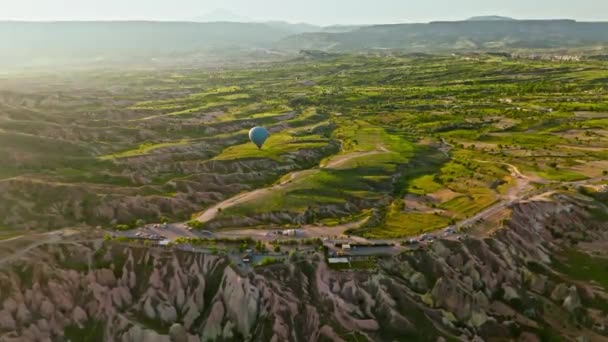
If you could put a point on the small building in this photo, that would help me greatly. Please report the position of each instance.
(247, 258)
(164, 242)
(290, 232)
(346, 246)
(337, 260)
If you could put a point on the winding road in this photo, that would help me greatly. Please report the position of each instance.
(488, 212)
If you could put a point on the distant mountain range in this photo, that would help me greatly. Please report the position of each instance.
(43, 43)
(456, 36)
(226, 16)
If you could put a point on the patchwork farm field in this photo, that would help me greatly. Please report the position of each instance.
(409, 143)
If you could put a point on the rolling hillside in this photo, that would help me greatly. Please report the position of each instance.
(75, 43)
(457, 36)
(42, 43)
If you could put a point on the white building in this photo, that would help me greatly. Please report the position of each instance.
(291, 232)
(337, 260)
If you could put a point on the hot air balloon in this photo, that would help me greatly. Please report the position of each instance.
(258, 136)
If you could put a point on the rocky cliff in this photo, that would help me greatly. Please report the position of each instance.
(516, 285)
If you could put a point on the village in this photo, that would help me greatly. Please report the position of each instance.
(269, 247)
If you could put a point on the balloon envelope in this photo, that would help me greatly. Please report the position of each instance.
(258, 136)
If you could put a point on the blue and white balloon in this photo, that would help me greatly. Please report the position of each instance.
(258, 136)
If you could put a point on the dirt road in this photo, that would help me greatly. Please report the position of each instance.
(335, 162)
(306, 232)
(488, 212)
(30, 242)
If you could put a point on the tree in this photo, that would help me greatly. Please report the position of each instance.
(277, 249)
(122, 227)
(259, 246)
(195, 224)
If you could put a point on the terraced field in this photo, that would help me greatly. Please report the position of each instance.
(412, 143)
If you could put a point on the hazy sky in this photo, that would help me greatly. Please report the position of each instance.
(312, 11)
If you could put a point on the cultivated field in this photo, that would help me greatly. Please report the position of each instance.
(412, 143)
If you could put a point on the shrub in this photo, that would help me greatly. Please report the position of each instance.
(122, 227)
(269, 261)
(195, 224)
(260, 247)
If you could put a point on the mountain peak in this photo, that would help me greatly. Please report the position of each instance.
(490, 18)
(222, 15)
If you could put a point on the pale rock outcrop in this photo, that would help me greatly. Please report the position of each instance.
(153, 336)
(166, 313)
(79, 315)
(132, 280)
(155, 279)
(149, 309)
(481, 300)
(43, 325)
(105, 277)
(418, 282)
(7, 322)
(447, 295)
(23, 314)
(573, 300)
(47, 309)
(180, 297)
(135, 334)
(478, 318)
(10, 305)
(441, 250)
(195, 293)
(121, 297)
(177, 333)
(241, 299)
(538, 283)
(213, 326)
(227, 333)
(192, 313)
(560, 292)
(510, 293)
(60, 297)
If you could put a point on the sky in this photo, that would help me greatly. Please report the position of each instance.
(321, 12)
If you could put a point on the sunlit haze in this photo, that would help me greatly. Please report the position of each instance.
(312, 11)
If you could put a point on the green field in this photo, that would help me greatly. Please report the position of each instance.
(276, 146)
(399, 225)
(373, 132)
(144, 149)
(582, 266)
